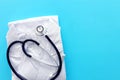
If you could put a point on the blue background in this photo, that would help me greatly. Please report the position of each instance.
(90, 33)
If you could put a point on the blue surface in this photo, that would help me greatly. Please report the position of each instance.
(90, 33)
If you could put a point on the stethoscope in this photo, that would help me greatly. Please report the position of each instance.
(40, 30)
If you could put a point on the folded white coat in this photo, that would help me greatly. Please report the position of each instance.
(44, 61)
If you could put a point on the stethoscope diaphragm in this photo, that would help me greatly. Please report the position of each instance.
(40, 29)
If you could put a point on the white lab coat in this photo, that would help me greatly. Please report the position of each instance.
(35, 68)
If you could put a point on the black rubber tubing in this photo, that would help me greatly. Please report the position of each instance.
(28, 55)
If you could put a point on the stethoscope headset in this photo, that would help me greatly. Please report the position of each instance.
(39, 29)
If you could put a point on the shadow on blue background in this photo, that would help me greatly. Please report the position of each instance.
(90, 33)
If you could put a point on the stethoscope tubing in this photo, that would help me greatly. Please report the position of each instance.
(28, 55)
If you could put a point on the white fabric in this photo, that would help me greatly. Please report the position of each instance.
(41, 66)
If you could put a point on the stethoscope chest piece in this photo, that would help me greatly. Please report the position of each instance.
(40, 30)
